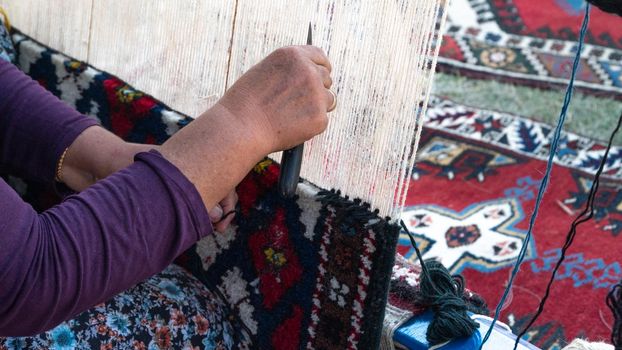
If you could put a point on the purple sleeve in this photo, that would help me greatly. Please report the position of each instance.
(94, 245)
(35, 126)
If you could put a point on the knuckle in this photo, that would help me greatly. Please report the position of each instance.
(307, 76)
(286, 53)
(319, 51)
(292, 52)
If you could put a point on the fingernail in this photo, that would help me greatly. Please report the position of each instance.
(216, 213)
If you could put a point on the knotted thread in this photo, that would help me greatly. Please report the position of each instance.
(614, 301)
(444, 294)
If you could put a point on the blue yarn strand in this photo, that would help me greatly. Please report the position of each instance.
(547, 174)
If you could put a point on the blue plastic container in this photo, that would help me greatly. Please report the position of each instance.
(411, 335)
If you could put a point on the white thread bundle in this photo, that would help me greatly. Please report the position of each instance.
(185, 52)
(380, 51)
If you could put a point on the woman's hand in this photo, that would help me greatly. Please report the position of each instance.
(279, 103)
(284, 97)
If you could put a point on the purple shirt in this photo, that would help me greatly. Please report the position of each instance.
(93, 245)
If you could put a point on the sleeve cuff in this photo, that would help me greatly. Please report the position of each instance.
(170, 174)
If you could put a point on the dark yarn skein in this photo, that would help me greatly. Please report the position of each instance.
(614, 301)
(443, 293)
(611, 6)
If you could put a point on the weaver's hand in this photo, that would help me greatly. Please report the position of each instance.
(284, 97)
(222, 214)
(279, 103)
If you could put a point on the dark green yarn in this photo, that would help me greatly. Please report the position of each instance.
(443, 293)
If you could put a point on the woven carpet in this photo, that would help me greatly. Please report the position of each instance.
(469, 203)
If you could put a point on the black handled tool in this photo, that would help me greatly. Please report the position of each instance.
(292, 159)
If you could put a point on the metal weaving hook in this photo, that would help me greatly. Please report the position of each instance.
(291, 161)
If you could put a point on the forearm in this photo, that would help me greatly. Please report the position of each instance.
(96, 244)
(95, 154)
(35, 127)
(215, 152)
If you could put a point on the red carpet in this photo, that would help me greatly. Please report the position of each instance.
(469, 206)
(478, 171)
(533, 43)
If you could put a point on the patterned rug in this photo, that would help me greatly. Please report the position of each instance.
(533, 43)
(486, 167)
(308, 272)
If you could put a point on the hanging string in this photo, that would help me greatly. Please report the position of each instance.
(444, 294)
(547, 174)
(584, 216)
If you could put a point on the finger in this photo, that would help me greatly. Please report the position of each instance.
(229, 202)
(224, 224)
(325, 75)
(318, 56)
(228, 206)
(331, 99)
(216, 213)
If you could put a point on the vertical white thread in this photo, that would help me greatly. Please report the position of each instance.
(174, 50)
(61, 24)
(383, 54)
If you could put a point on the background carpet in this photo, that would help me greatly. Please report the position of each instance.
(480, 161)
(469, 205)
(512, 46)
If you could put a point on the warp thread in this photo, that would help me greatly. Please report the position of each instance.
(584, 216)
(444, 294)
(545, 179)
(614, 301)
(611, 6)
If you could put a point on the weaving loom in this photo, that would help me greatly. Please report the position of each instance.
(279, 267)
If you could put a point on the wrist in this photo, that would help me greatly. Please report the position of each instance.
(245, 111)
(119, 156)
(94, 155)
(215, 152)
(253, 135)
